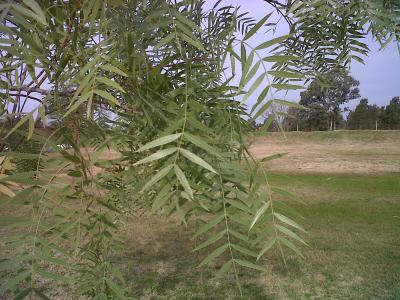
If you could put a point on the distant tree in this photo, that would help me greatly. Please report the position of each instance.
(364, 116)
(313, 118)
(277, 112)
(390, 115)
(325, 96)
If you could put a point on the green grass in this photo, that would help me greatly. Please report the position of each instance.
(337, 135)
(353, 253)
(354, 235)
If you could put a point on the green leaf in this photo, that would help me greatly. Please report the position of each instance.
(290, 245)
(274, 156)
(250, 265)
(111, 99)
(117, 290)
(111, 68)
(31, 127)
(194, 42)
(156, 156)
(286, 74)
(40, 294)
(201, 143)
(183, 180)
(280, 58)
(238, 204)
(286, 86)
(165, 40)
(181, 18)
(52, 276)
(239, 235)
(101, 296)
(268, 122)
(260, 212)
(160, 174)
(42, 114)
(251, 74)
(260, 99)
(78, 103)
(160, 199)
(31, 14)
(256, 27)
(224, 269)
(210, 224)
(243, 58)
(12, 283)
(244, 250)
(266, 247)
(22, 294)
(19, 124)
(211, 240)
(197, 160)
(160, 141)
(289, 233)
(110, 83)
(272, 42)
(15, 262)
(213, 255)
(233, 64)
(20, 177)
(246, 62)
(49, 259)
(288, 221)
(357, 58)
(34, 6)
(74, 173)
(253, 87)
(288, 103)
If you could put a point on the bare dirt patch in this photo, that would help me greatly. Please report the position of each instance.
(325, 152)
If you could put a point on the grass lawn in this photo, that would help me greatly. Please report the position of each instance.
(349, 187)
(353, 253)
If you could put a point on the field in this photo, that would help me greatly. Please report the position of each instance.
(350, 185)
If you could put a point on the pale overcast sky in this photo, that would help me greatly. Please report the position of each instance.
(379, 77)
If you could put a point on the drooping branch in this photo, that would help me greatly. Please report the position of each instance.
(26, 96)
(281, 6)
(28, 89)
(277, 3)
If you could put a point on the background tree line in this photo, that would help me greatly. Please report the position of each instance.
(322, 103)
(367, 116)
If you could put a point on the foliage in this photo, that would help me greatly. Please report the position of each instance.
(315, 117)
(364, 116)
(148, 80)
(325, 33)
(322, 101)
(390, 115)
(373, 117)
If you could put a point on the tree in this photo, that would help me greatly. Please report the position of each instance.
(364, 116)
(324, 96)
(390, 115)
(277, 113)
(149, 80)
(312, 118)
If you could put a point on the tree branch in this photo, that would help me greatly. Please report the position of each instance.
(26, 96)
